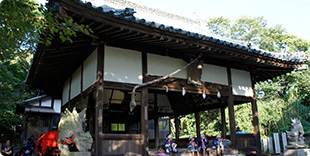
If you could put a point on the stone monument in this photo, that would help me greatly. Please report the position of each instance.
(70, 125)
(295, 138)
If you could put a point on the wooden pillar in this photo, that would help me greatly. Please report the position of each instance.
(99, 99)
(156, 131)
(255, 119)
(25, 129)
(144, 108)
(230, 102)
(156, 124)
(177, 128)
(197, 118)
(223, 117)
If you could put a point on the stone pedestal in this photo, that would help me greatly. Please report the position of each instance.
(297, 152)
(76, 154)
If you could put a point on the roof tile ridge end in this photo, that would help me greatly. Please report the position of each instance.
(151, 10)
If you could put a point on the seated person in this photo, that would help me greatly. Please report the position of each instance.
(171, 146)
(218, 145)
(22, 152)
(7, 150)
(192, 146)
(203, 142)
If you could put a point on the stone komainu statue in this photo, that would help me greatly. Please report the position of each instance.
(70, 125)
(295, 138)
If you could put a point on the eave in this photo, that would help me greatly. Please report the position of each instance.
(52, 65)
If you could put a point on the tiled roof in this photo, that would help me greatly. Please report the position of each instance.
(127, 14)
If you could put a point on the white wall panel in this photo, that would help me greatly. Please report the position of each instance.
(57, 105)
(65, 92)
(89, 70)
(214, 74)
(164, 65)
(241, 82)
(46, 102)
(122, 65)
(76, 83)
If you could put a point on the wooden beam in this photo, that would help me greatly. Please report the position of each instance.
(116, 31)
(197, 118)
(121, 137)
(177, 128)
(99, 99)
(175, 83)
(144, 109)
(255, 118)
(231, 110)
(118, 85)
(242, 98)
(125, 33)
(223, 117)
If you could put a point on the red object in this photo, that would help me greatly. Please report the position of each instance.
(238, 128)
(48, 140)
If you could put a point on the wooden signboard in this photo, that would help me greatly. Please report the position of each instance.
(276, 142)
(284, 140)
(265, 145)
(270, 145)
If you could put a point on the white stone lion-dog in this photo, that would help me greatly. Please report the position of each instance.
(70, 125)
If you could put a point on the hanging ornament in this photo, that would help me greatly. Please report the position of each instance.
(203, 94)
(167, 89)
(218, 94)
(132, 103)
(183, 91)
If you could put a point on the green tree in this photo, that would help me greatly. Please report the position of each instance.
(255, 30)
(278, 99)
(21, 23)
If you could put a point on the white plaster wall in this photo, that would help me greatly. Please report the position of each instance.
(164, 65)
(57, 105)
(89, 70)
(214, 74)
(122, 65)
(46, 102)
(65, 92)
(76, 83)
(241, 82)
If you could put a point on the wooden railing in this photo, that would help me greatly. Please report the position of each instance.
(246, 142)
(121, 144)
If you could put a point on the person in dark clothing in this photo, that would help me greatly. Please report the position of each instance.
(7, 150)
(22, 152)
(30, 145)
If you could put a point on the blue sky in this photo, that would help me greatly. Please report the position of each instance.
(294, 15)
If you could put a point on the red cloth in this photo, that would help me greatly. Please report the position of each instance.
(48, 140)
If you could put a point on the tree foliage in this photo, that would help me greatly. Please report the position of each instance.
(21, 23)
(279, 99)
(255, 30)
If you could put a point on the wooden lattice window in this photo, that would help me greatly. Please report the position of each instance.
(117, 127)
